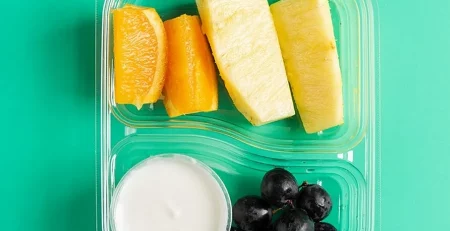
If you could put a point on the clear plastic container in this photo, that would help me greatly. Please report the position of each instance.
(345, 159)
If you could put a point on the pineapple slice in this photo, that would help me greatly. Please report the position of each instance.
(245, 46)
(306, 36)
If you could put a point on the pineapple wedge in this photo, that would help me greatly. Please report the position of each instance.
(245, 46)
(306, 36)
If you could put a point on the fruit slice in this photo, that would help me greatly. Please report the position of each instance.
(245, 46)
(305, 32)
(140, 47)
(191, 80)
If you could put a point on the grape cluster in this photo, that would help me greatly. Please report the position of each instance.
(303, 207)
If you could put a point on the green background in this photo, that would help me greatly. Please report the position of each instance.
(47, 159)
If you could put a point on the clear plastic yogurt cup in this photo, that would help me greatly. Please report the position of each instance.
(171, 192)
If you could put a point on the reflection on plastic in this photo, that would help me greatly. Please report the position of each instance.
(349, 156)
(129, 131)
(319, 182)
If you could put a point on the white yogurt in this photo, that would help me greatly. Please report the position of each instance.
(171, 193)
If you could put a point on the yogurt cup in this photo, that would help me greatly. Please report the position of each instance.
(171, 192)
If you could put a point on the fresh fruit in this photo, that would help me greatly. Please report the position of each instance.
(191, 80)
(315, 201)
(279, 187)
(140, 47)
(322, 226)
(294, 220)
(245, 46)
(252, 213)
(312, 204)
(308, 45)
(238, 229)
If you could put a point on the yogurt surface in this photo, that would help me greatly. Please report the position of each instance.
(170, 193)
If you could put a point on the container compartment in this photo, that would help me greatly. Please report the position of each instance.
(351, 21)
(242, 171)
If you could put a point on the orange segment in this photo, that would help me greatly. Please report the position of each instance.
(191, 81)
(140, 55)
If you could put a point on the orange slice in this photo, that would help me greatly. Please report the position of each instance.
(191, 80)
(140, 55)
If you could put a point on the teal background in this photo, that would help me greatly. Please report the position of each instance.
(47, 159)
